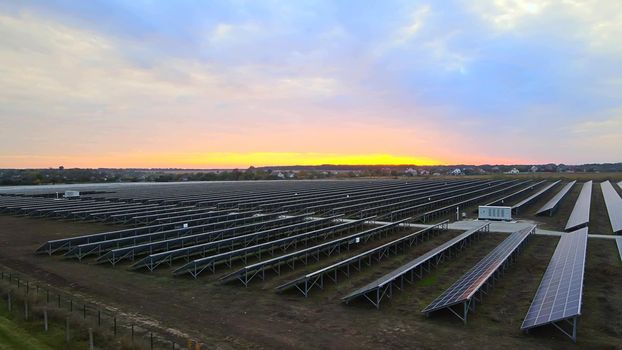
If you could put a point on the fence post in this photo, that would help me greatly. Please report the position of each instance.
(115, 325)
(99, 318)
(151, 340)
(91, 346)
(67, 329)
(132, 333)
(45, 319)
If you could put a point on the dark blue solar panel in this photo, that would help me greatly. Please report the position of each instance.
(470, 282)
(559, 294)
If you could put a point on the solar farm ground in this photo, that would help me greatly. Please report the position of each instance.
(230, 316)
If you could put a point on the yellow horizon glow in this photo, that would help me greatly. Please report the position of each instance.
(286, 159)
(219, 160)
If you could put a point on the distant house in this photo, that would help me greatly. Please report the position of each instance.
(533, 169)
(455, 172)
(424, 172)
(280, 175)
(513, 171)
(411, 172)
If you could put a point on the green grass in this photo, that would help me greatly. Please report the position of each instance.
(18, 334)
(427, 281)
(12, 337)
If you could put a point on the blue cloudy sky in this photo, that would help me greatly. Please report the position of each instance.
(235, 83)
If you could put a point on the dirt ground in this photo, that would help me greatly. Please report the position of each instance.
(231, 316)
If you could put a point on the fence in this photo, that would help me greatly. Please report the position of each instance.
(105, 319)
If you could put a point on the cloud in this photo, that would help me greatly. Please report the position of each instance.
(410, 30)
(509, 14)
(596, 24)
(437, 80)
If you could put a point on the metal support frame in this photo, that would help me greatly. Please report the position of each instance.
(469, 304)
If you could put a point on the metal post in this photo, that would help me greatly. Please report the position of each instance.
(45, 319)
(91, 346)
(115, 325)
(67, 330)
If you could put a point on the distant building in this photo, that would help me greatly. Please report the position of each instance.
(513, 171)
(424, 172)
(455, 172)
(533, 169)
(411, 172)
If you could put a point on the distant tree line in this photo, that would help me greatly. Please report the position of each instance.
(61, 175)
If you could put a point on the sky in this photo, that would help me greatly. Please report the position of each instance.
(223, 84)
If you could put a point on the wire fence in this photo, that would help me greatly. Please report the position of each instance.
(104, 320)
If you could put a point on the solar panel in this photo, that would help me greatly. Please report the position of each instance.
(465, 288)
(614, 205)
(246, 273)
(554, 202)
(508, 197)
(316, 278)
(580, 215)
(376, 290)
(531, 198)
(559, 294)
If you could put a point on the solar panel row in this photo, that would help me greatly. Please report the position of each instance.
(462, 292)
(247, 273)
(305, 283)
(215, 241)
(559, 295)
(534, 196)
(580, 215)
(614, 206)
(376, 290)
(553, 204)
(509, 197)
